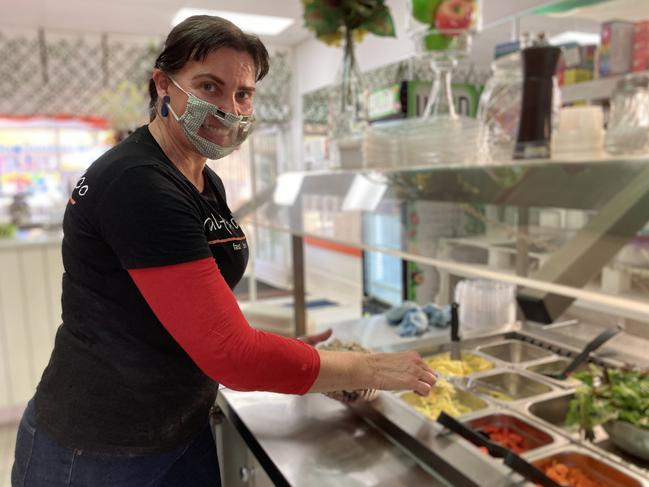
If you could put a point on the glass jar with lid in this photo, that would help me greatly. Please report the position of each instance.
(628, 122)
(500, 107)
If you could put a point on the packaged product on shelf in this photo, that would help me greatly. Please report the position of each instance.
(641, 46)
(616, 48)
(505, 48)
(577, 64)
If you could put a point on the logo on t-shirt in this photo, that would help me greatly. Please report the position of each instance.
(80, 189)
(222, 230)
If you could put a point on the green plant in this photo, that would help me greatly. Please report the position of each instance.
(336, 20)
(125, 106)
(607, 395)
(7, 230)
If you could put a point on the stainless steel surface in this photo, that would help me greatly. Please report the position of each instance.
(620, 350)
(455, 351)
(616, 452)
(434, 445)
(237, 464)
(512, 384)
(546, 410)
(317, 441)
(440, 362)
(554, 367)
(593, 466)
(299, 305)
(590, 347)
(552, 410)
(515, 351)
(462, 397)
(628, 437)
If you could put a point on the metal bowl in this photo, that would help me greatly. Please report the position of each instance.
(629, 438)
(553, 410)
(555, 367)
(508, 386)
(532, 436)
(515, 351)
(468, 401)
(595, 468)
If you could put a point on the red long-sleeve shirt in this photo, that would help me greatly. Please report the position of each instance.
(198, 309)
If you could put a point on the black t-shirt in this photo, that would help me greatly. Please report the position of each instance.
(117, 382)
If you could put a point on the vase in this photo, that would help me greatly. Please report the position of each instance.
(349, 110)
(442, 31)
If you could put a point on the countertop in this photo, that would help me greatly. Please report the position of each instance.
(33, 239)
(316, 441)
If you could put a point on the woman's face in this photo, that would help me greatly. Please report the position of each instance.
(225, 78)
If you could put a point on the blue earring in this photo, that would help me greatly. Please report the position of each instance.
(164, 109)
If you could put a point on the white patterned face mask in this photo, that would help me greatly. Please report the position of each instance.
(229, 130)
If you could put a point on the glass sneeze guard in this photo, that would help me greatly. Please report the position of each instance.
(561, 231)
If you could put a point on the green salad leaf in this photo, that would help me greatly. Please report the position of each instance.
(609, 394)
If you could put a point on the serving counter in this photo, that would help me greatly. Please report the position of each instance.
(313, 440)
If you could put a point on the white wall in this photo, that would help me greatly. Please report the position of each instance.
(333, 275)
(317, 63)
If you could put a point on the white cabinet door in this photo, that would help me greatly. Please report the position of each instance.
(30, 312)
(16, 347)
(36, 296)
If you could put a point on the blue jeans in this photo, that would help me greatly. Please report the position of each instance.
(40, 461)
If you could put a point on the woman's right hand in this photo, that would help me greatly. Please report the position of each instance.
(399, 371)
(386, 371)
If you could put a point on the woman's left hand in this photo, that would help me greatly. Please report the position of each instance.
(313, 340)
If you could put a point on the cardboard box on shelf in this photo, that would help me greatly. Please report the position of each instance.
(576, 64)
(575, 75)
(641, 46)
(505, 48)
(617, 48)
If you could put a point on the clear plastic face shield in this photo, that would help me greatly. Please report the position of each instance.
(215, 133)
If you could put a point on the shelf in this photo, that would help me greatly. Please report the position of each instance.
(598, 89)
(570, 184)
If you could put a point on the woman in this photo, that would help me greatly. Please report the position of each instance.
(150, 325)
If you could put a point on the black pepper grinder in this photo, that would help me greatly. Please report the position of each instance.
(535, 126)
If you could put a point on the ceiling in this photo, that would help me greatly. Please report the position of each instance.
(140, 17)
(153, 17)
(631, 10)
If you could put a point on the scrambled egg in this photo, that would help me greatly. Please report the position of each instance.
(441, 398)
(469, 364)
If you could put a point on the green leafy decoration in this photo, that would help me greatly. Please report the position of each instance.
(331, 19)
(380, 23)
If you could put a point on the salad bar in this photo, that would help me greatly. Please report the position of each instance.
(501, 414)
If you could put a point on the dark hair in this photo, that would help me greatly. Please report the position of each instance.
(195, 37)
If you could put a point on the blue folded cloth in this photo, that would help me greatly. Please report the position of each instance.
(414, 320)
(437, 317)
(396, 314)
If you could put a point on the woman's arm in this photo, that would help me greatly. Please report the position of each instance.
(385, 371)
(195, 305)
